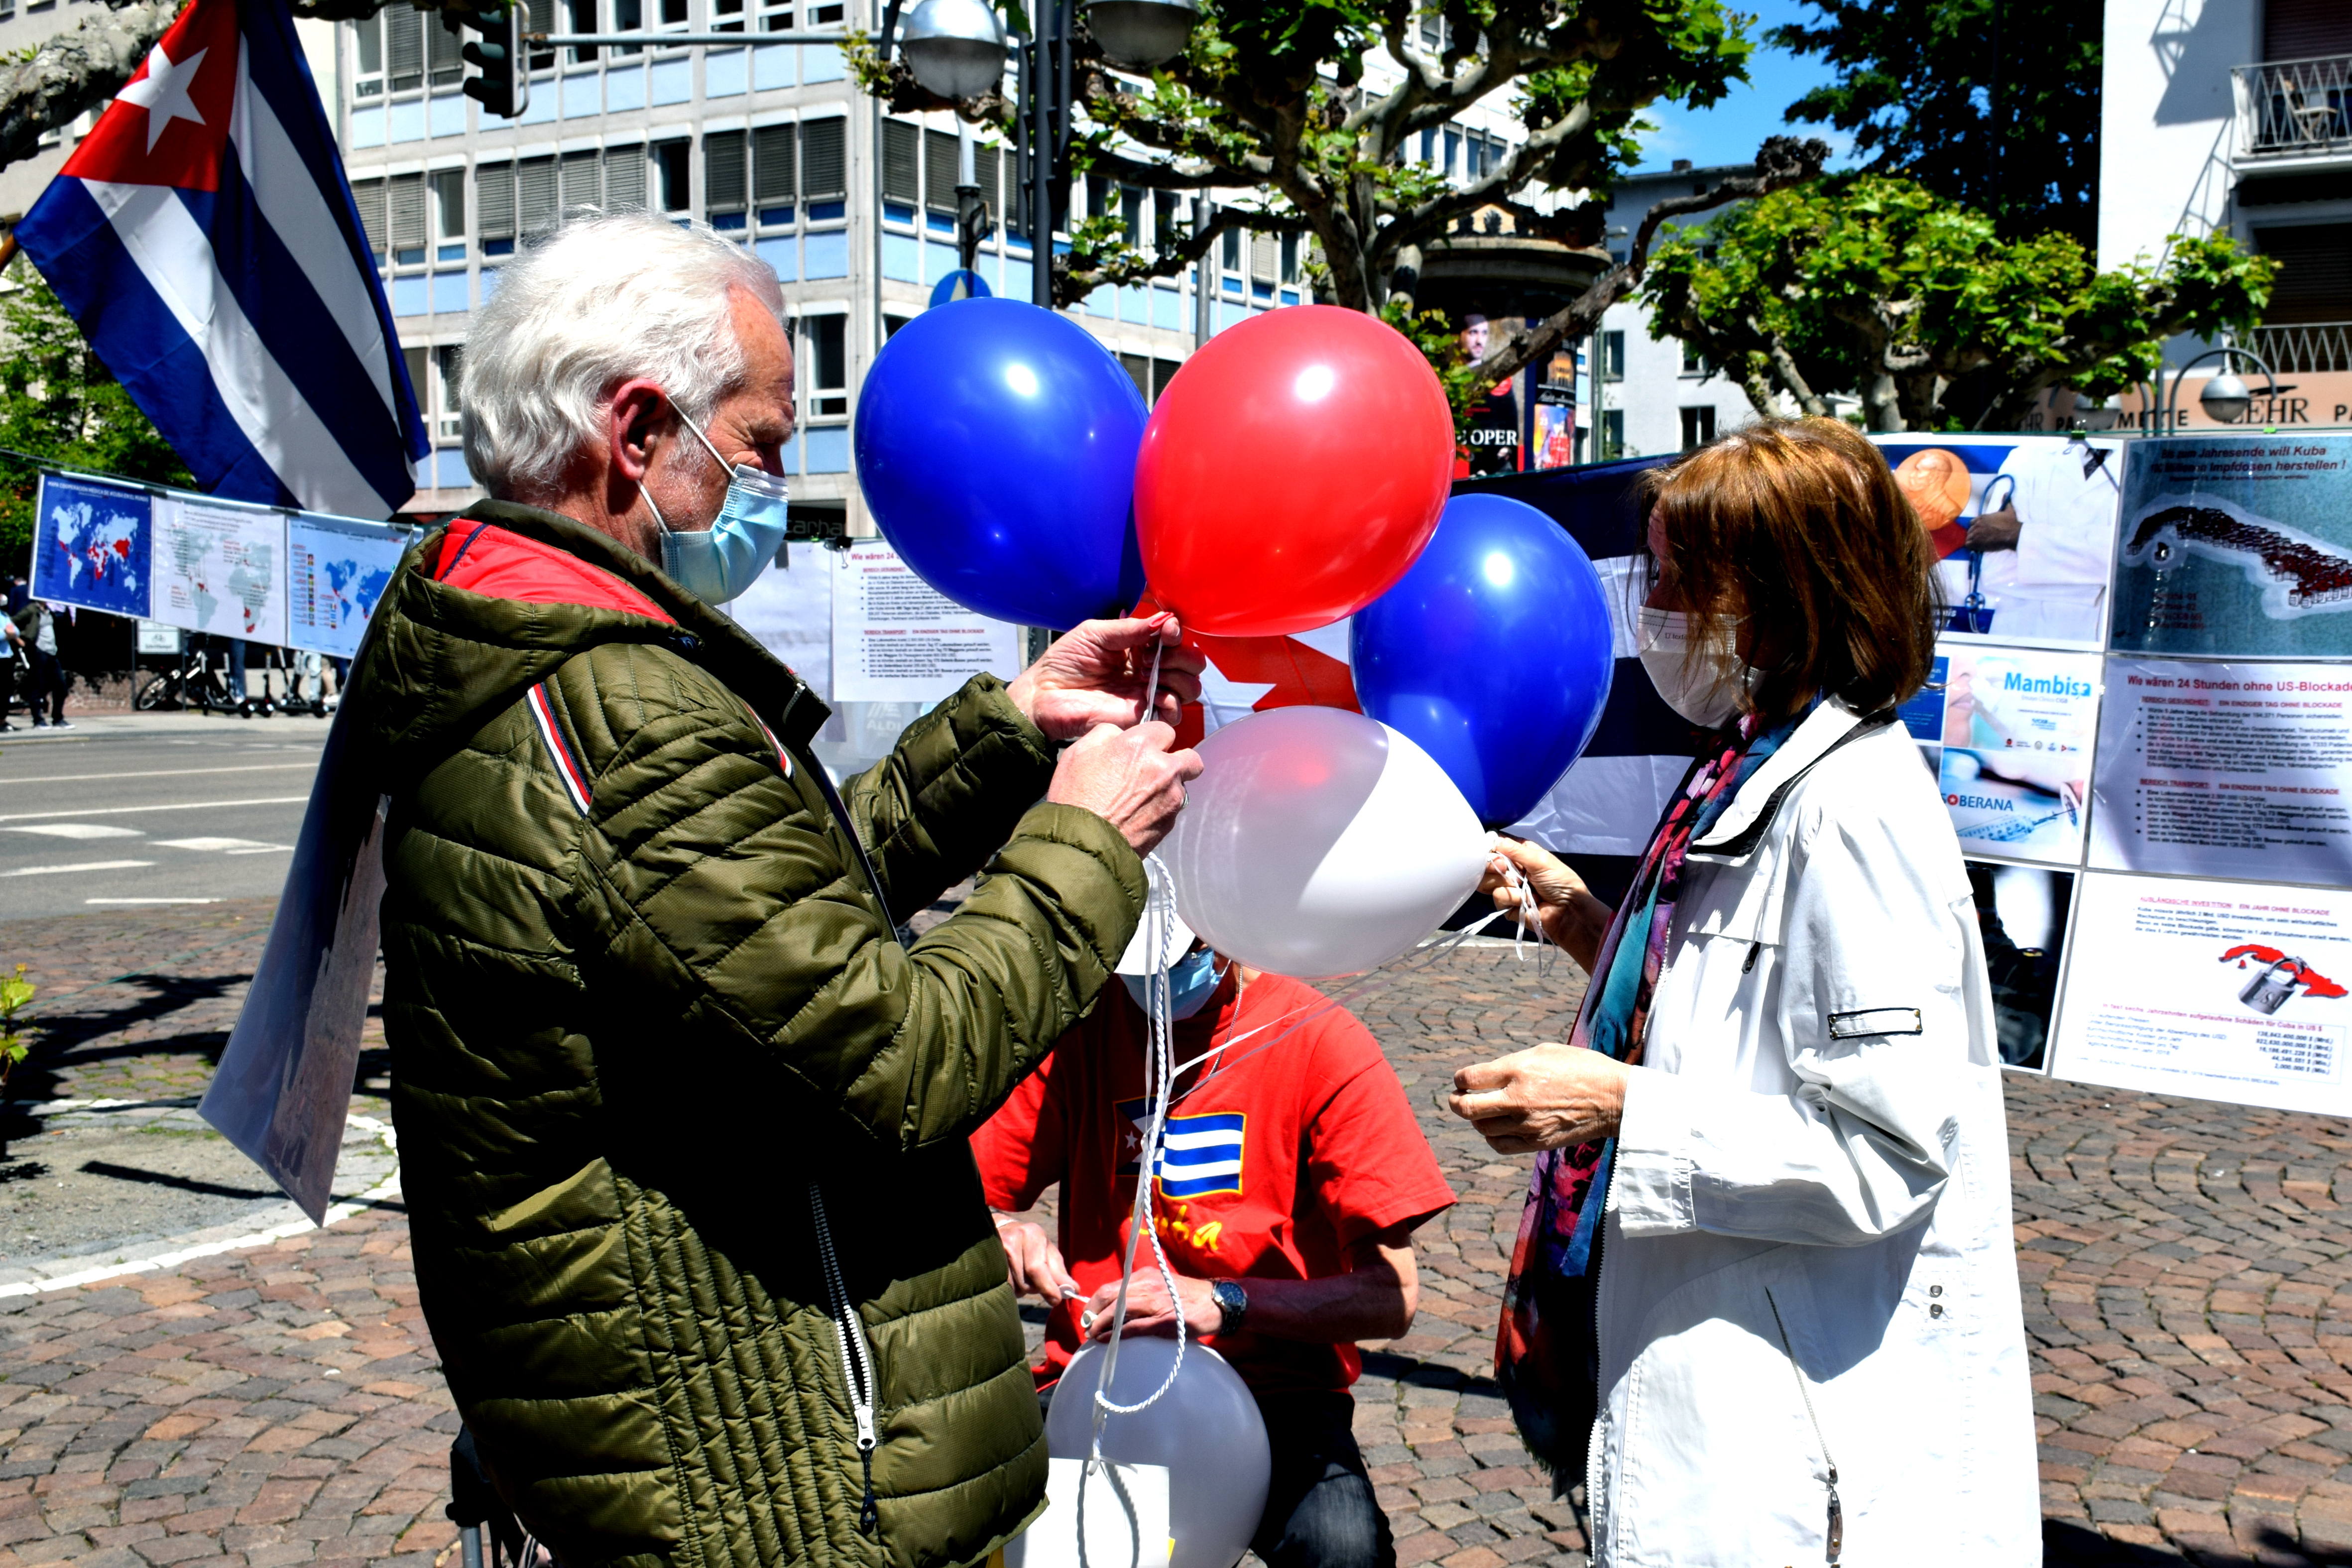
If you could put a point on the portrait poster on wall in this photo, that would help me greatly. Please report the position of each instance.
(2237, 547)
(2023, 527)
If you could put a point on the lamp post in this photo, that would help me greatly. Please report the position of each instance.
(2226, 397)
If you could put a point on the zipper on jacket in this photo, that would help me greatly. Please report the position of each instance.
(857, 1357)
(1837, 1513)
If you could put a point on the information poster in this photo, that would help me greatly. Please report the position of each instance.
(2023, 528)
(2008, 732)
(93, 545)
(221, 569)
(2222, 990)
(2225, 770)
(895, 639)
(336, 570)
(2237, 548)
(2021, 914)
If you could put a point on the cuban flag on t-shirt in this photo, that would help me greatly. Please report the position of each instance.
(204, 238)
(1198, 1155)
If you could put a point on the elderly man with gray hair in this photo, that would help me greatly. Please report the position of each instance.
(682, 1111)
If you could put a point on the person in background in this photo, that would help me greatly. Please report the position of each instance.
(1764, 1295)
(36, 624)
(1287, 1201)
(11, 661)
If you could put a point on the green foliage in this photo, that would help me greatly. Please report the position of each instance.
(1877, 285)
(15, 1043)
(1440, 342)
(58, 403)
(1269, 97)
(1992, 103)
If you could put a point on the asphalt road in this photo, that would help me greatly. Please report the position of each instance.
(149, 810)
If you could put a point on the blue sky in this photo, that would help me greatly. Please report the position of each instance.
(1729, 133)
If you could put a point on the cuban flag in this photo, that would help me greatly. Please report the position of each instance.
(203, 236)
(1198, 1155)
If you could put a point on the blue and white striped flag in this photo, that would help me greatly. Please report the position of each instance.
(203, 236)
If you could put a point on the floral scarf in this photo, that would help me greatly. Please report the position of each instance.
(1545, 1352)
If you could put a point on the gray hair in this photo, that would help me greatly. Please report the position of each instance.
(602, 299)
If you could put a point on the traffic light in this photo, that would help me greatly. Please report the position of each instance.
(504, 85)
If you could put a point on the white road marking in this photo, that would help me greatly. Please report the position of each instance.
(80, 830)
(78, 866)
(234, 846)
(160, 774)
(175, 805)
(151, 901)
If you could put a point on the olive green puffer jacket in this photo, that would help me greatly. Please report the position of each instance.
(635, 1030)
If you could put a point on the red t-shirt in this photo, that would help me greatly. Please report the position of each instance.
(1272, 1169)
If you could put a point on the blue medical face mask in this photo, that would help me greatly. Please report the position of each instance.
(1191, 981)
(720, 563)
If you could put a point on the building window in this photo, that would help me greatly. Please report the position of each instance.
(448, 193)
(628, 17)
(624, 179)
(405, 194)
(775, 15)
(448, 361)
(367, 58)
(404, 48)
(828, 365)
(671, 176)
(442, 61)
(773, 165)
(1612, 433)
(1612, 356)
(941, 165)
(1693, 361)
(535, 196)
(901, 144)
(824, 168)
(1698, 427)
(494, 208)
(725, 191)
(540, 14)
(368, 196)
(726, 15)
(582, 15)
(583, 182)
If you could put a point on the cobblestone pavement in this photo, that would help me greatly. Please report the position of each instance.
(2181, 1265)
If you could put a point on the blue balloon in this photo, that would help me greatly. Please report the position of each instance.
(995, 445)
(1494, 653)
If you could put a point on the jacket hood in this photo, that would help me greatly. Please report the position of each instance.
(439, 662)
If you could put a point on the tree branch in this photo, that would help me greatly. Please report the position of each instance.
(81, 69)
(1073, 283)
(1781, 161)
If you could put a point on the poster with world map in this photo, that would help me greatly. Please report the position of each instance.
(2237, 548)
(220, 569)
(336, 570)
(93, 545)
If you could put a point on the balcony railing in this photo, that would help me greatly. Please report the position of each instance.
(2294, 107)
(2305, 347)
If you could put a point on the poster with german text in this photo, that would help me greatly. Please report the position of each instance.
(898, 639)
(2226, 991)
(2225, 770)
(2237, 548)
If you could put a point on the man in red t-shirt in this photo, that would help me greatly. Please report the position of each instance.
(1286, 1195)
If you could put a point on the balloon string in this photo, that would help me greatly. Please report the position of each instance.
(1159, 932)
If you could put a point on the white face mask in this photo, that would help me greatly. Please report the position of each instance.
(1706, 690)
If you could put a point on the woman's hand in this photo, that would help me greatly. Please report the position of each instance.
(1148, 1310)
(1548, 1096)
(1569, 914)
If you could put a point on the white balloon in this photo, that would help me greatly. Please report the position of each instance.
(1206, 1430)
(1318, 842)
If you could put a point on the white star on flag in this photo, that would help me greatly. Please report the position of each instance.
(162, 92)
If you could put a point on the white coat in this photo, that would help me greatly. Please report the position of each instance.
(1810, 1201)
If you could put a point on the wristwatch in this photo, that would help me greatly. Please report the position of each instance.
(1233, 1301)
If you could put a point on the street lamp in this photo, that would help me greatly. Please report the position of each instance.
(955, 48)
(1142, 32)
(2225, 397)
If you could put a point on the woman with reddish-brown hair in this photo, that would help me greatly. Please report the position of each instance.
(1764, 1300)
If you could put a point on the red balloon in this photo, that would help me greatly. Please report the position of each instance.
(1291, 472)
